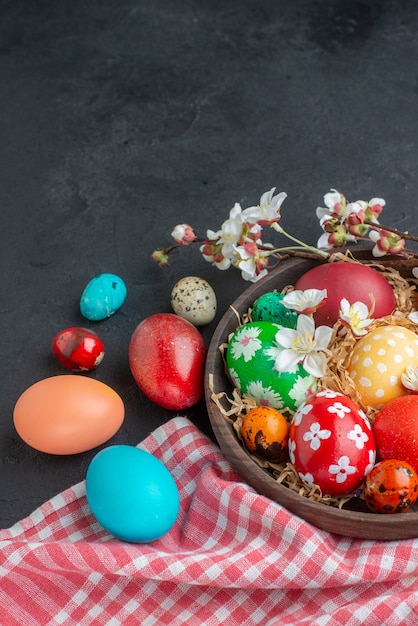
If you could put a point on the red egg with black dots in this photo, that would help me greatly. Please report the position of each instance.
(78, 349)
(354, 282)
(391, 487)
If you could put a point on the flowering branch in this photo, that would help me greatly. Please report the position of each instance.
(238, 243)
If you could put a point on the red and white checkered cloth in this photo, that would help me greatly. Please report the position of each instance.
(233, 557)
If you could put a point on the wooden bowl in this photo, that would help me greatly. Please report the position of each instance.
(347, 521)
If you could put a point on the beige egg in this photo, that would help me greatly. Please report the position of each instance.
(194, 299)
(378, 361)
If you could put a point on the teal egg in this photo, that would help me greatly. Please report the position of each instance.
(270, 308)
(102, 297)
(250, 358)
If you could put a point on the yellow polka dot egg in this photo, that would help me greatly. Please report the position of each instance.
(378, 361)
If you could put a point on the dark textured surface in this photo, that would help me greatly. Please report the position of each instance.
(120, 119)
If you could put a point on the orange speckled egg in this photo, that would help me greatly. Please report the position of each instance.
(68, 414)
(378, 361)
(265, 432)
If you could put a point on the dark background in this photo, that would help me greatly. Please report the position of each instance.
(120, 119)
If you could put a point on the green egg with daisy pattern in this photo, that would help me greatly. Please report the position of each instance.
(251, 362)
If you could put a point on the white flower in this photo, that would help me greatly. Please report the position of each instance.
(251, 261)
(372, 461)
(307, 479)
(265, 396)
(413, 317)
(304, 345)
(410, 378)
(328, 393)
(267, 211)
(339, 409)
(304, 301)
(301, 387)
(331, 199)
(291, 450)
(358, 436)
(246, 343)
(342, 469)
(415, 272)
(315, 434)
(302, 410)
(355, 316)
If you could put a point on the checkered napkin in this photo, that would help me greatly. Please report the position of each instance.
(233, 557)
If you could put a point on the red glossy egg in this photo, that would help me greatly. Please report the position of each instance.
(331, 443)
(352, 281)
(167, 359)
(395, 429)
(391, 487)
(78, 349)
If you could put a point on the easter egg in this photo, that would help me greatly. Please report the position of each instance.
(194, 299)
(250, 358)
(378, 361)
(331, 443)
(78, 349)
(102, 297)
(269, 308)
(68, 414)
(353, 281)
(395, 429)
(391, 487)
(264, 431)
(131, 493)
(167, 359)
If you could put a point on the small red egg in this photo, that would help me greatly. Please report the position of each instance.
(265, 432)
(352, 281)
(391, 487)
(167, 358)
(78, 349)
(395, 430)
(331, 443)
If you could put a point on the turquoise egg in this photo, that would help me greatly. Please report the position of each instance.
(132, 494)
(270, 308)
(250, 359)
(102, 297)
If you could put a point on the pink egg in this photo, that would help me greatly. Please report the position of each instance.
(352, 281)
(331, 443)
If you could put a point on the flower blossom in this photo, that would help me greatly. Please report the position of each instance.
(304, 345)
(183, 234)
(386, 242)
(160, 256)
(268, 211)
(355, 316)
(413, 317)
(305, 301)
(409, 378)
(251, 261)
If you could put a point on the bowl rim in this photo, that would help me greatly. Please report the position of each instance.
(358, 524)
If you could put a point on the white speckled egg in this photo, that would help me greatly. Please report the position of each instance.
(378, 362)
(194, 299)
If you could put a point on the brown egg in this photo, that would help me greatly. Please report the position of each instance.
(68, 414)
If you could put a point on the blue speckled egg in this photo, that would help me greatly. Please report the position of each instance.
(102, 297)
(131, 493)
(269, 308)
(250, 358)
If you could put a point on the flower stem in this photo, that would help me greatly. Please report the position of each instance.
(403, 235)
(303, 245)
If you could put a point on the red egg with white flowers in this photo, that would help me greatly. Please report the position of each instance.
(331, 443)
(353, 281)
